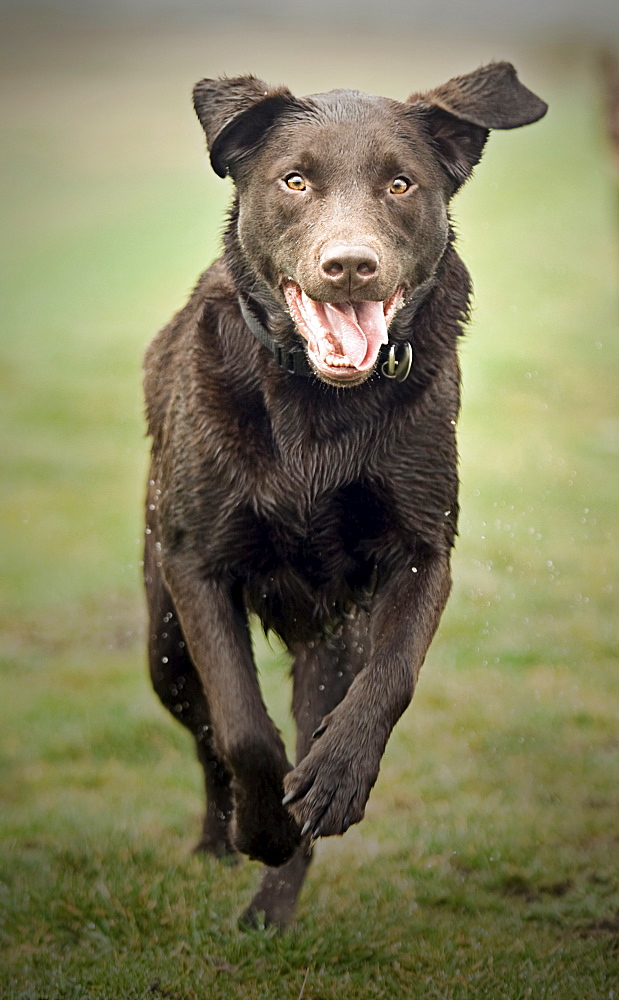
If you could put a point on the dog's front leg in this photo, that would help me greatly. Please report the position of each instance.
(328, 790)
(216, 631)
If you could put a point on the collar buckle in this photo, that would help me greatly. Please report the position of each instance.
(292, 362)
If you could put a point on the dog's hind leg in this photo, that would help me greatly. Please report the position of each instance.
(178, 685)
(322, 674)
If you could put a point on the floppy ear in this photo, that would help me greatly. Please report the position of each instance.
(459, 114)
(234, 114)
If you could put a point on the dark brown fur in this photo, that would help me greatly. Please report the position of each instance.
(330, 512)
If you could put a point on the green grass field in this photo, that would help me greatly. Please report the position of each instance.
(487, 865)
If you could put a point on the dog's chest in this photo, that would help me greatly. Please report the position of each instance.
(302, 575)
(285, 523)
(302, 564)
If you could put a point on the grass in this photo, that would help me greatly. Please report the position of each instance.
(487, 862)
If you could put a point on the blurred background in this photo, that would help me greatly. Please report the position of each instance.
(508, 758)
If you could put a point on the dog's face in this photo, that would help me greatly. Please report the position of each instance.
(343, 197)
(343, 213)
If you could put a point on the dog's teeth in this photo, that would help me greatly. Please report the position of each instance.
(324, 347)
(338, 360)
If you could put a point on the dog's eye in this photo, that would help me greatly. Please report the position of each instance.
(400, 185)
(295, 182)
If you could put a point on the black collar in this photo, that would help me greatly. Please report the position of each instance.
(395, 359)
(295, 361)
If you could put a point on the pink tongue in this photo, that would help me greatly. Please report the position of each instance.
(359, 330)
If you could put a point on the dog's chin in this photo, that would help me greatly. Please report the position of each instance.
(341, 378)
(343, 339)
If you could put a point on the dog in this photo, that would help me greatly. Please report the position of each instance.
(302, 408)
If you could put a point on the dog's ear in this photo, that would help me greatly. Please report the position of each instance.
(459, 115)
(235, 113)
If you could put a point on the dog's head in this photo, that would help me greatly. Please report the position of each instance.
(343, 197)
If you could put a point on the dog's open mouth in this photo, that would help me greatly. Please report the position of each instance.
(343, 338)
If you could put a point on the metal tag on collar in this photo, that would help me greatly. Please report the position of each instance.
(398, 368)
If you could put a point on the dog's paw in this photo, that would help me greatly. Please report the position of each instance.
(221, 848)
(328, 791)
(261, 827)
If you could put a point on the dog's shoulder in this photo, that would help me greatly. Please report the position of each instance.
(165, 354)
(216, 284)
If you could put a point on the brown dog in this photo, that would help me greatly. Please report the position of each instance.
(302, 408)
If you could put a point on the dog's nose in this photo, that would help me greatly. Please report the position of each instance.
(348, 266)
